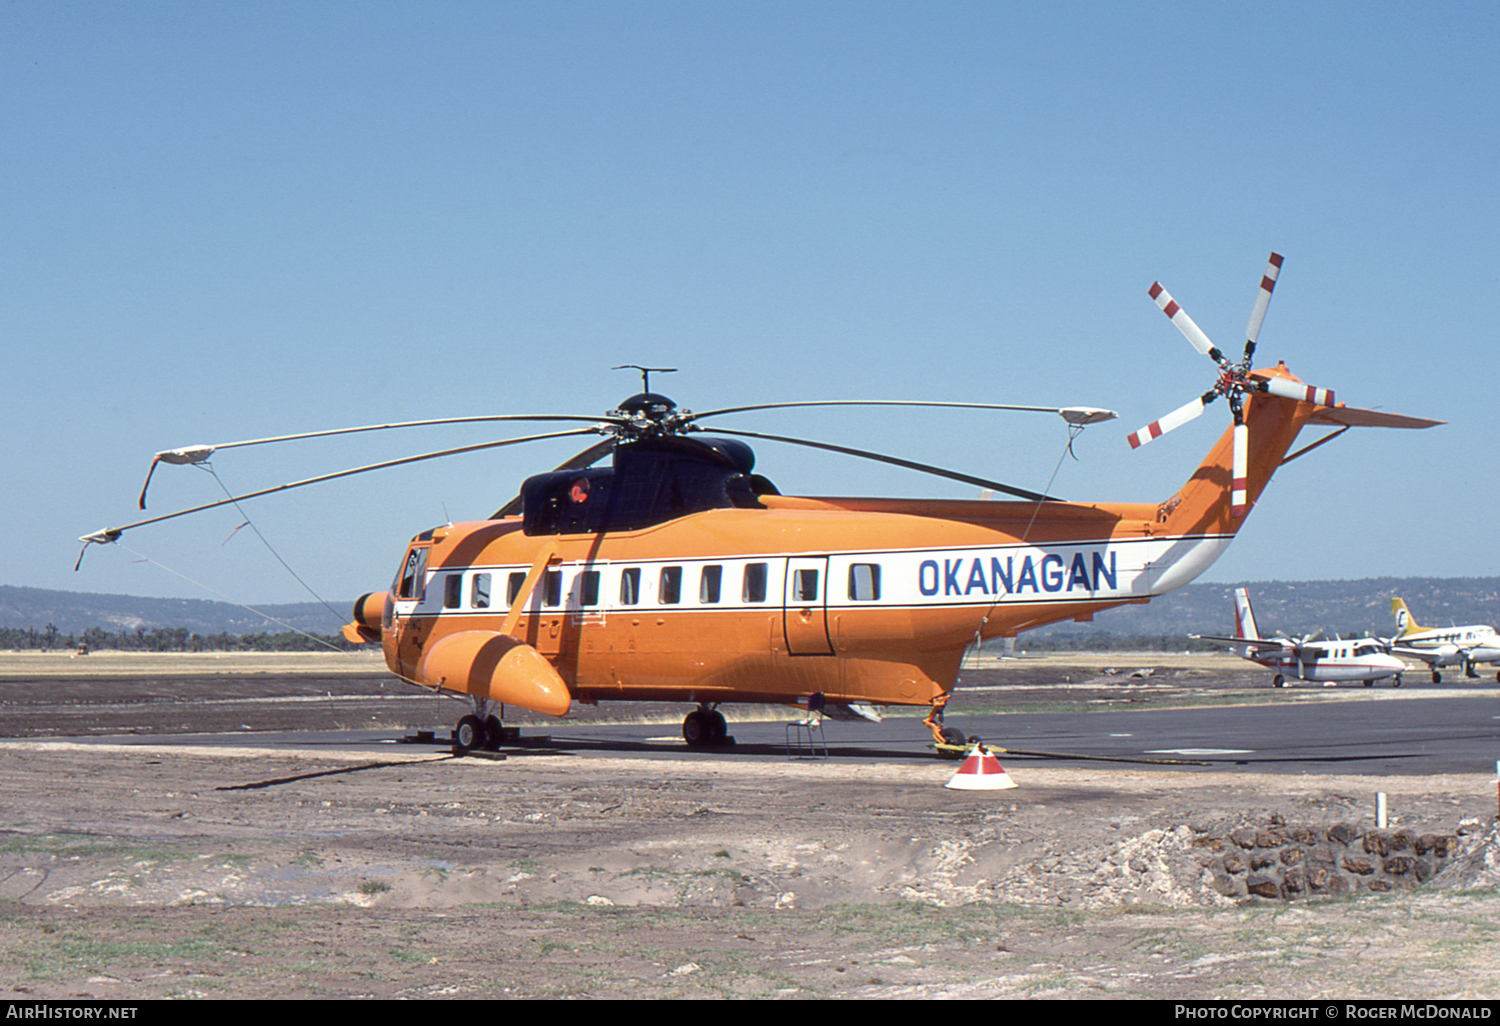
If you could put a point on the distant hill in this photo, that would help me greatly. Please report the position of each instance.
(75, 612)
(1293, 607)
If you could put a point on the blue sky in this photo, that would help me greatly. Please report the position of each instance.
(230, 221)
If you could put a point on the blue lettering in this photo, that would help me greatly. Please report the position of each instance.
(1079, 573)
(950, 576)
(976, 579)
(999, 575)
(1102, 574)
(1052, 579)
(922, 574)
(1028, 576)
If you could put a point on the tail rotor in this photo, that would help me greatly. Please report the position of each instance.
(1234, 381)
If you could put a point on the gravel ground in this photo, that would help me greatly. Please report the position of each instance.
(174, 871)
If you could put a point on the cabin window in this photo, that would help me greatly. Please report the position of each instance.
(805, 585)
(588, 588)
(669, 591)
(513, 586)
(864, 582)
(552, 596)
(453, 591)
(708, 584)
(413, 574)
(479, 592)
(755, 582)
(630, 586)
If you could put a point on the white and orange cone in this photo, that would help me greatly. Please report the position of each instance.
(981, 771)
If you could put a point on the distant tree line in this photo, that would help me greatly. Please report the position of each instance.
(180, 639)
(167, 639)
(1104, 641)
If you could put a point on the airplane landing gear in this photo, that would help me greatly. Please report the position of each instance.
(705, 727)
(1278, 681)
(1437, 678)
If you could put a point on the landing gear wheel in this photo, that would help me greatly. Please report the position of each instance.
(1396, 681)
(468, 735)
(698, 729)
(953, 741)
(1369, 683)
(1437, 678)
(492, 733)
(1278, 681)
(718, 728)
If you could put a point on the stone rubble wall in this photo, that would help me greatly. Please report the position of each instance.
(1288, 861)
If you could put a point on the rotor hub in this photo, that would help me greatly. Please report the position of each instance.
(649, 414)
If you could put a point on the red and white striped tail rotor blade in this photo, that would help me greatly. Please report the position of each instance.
(1238, 506)
(1297, 390)
(1178, 316)
(1262, 300)
(1175, 419)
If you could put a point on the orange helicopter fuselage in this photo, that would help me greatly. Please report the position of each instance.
(863, 600)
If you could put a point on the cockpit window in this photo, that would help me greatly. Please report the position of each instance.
(413, 577)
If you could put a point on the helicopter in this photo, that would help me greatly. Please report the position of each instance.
(677, 573)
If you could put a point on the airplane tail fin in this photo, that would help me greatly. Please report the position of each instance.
(1405, 622)
(1244, 616)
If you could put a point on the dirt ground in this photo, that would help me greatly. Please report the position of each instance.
(159, 870)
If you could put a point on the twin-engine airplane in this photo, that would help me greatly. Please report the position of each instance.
(1444, 646)
(677, 574)
(1329, 662)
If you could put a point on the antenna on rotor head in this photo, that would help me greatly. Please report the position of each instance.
(646, 373)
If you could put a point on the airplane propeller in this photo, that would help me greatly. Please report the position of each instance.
(1234, 381)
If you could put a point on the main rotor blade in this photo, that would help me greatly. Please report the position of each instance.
(199, 453)
(1262, 300)
(593, 454)
(925, 468)
(1185, 324)
(1237, 502)
(1295, 390)
(109, 534)
(1062, 412)
(1175, 419)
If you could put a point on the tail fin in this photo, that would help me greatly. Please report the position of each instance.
(1244, 617)
(1405, 622)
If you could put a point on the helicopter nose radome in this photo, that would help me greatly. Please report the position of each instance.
(496, 666)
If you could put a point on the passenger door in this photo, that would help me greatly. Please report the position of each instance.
(805, 610)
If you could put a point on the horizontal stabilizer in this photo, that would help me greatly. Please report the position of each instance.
(1248, 642)
(1348, 416)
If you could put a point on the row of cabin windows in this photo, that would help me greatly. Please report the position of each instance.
(864, 586)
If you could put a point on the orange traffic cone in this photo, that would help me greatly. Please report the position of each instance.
(981, 771)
